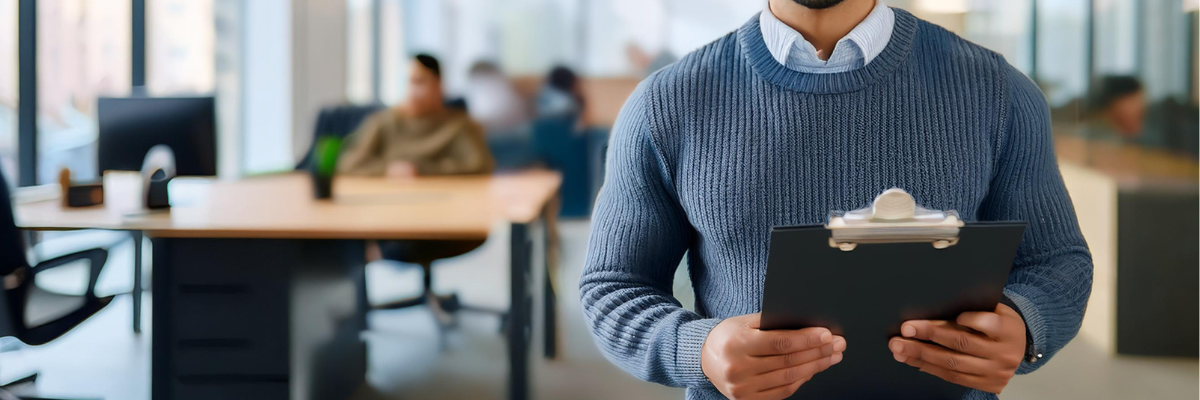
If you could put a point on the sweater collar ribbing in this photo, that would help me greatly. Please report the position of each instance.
(754, 49)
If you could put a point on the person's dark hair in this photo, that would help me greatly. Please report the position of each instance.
(562, 78)
(818, 4)
(1113, 87)
(429, 62)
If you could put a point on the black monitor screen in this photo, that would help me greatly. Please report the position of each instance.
(129, 127)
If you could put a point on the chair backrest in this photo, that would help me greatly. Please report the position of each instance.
(14, 300)
(339, 121)
(561, 147)
(12, 247)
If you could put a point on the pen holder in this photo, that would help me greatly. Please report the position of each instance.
(324, 166)
(157, 171)
(322, 186)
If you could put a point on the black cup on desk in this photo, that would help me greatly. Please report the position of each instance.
(322, 186)
(324, 166)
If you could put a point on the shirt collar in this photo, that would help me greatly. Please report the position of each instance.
(857, 49)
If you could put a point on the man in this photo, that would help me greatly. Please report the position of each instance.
(819, 105)
(1120, 108)
(418, 137)
(1121, 113)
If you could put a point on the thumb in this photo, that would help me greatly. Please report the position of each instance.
(751, 321)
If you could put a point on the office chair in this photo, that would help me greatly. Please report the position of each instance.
(338, 121)
(341, 121)
(17, 288)
(562, 148)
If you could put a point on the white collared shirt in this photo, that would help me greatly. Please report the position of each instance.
(853, 51)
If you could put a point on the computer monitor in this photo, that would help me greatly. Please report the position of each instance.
(130, 126)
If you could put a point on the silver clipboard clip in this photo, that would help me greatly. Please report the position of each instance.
(894, 217)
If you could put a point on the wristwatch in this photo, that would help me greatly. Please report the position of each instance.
(1031, 354)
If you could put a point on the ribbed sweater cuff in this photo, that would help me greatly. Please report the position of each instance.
(691, 339)
(1034, 324)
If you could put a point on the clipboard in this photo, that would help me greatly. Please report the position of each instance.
(869, 270)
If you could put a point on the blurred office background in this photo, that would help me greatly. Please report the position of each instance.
(1120, 76)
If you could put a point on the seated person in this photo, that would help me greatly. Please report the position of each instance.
(1123, 114)
(418, 137)
(494, 103)
(561, 95)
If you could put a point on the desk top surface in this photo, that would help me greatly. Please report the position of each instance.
(282, 206)
(1131, 166)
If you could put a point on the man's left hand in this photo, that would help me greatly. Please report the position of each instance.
(979, 350)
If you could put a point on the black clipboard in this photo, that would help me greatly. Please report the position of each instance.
(865, 291)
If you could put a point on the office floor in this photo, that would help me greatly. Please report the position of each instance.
(103, 359)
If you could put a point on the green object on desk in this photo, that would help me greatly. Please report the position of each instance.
(325, 154)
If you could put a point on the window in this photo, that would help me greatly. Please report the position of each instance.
(8, 90)
(524, 37)
(359, 23)
(632, 37)
(1116, 35)
(1062, 63)
(193, 48)
(393, 54)
(180, 36)
(1001, 26)
(84, 52)
(1004, 27)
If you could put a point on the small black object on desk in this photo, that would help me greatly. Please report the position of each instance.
(157, 172)
(79, 194)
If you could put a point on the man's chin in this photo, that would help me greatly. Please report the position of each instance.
(818, 4)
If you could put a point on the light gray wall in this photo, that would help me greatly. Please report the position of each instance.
(319, 49)
(267, 85)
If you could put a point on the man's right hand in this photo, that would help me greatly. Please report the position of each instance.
(744, 362)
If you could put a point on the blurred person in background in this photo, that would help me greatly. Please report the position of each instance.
(420, 136)
(1122, 113)
(560, 95)
(493, 102)
(1118, 110)
(558, 141)
(812, 106)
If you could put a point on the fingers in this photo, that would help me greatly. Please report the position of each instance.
(790, 375)
(948, 335)
(770, 343)
(771, 363)
(781, 392)
(987, 323)
(905, 350)
(955, 377)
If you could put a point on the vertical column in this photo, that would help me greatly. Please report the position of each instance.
(138, 49)
(27, 90)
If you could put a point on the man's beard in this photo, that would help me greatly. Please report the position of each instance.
(818, 4)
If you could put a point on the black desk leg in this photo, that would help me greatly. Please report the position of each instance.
(550, 308)
(137, 281)
(519, 321)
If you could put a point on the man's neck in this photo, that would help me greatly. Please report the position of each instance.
(824, 27)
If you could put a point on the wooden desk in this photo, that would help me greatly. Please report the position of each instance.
(260, 290)
(281, 206)
(1127, 164)
(1136, 208)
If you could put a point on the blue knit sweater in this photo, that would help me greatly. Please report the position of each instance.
(712, 151)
